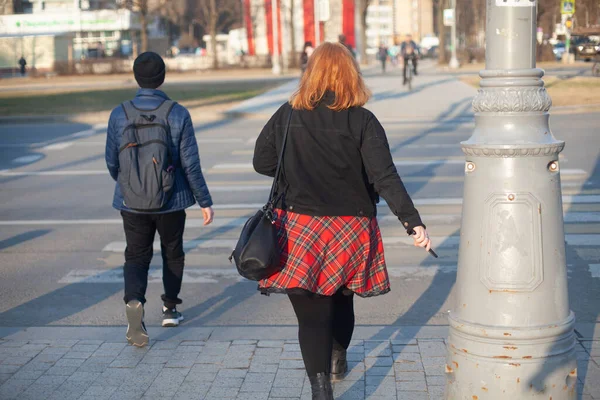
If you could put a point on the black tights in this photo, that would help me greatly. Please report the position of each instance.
(324, 323)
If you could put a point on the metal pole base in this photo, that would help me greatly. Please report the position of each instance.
(454, 64)
(511, 334)
(487, 362)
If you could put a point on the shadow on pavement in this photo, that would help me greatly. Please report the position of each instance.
(22, 238)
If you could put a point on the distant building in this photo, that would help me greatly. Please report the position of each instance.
(310, 24)
(387, 21)
(53, 32)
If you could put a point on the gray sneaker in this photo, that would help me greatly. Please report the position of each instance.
(136, 329)
(171, 318)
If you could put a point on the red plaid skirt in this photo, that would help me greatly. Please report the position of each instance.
(324, 254)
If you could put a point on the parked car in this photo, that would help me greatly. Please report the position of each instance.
(585, 47)
(429, 42)
(559, 49)
(433, 52)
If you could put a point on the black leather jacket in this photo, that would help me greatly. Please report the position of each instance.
(335, 164)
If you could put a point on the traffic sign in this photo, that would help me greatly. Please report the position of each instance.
(567, 7)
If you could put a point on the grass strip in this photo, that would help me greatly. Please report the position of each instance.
(74, 102)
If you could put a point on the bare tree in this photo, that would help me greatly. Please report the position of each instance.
(439, 6)
(146, 10)
(217, 16)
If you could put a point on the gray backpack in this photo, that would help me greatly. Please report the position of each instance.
(146, 170)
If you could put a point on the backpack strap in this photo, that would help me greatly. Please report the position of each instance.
(131, 113)
(163, 110)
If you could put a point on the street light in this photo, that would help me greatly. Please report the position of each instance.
(511, 330)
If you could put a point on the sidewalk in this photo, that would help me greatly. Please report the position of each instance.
(246, 363)
(436, 97)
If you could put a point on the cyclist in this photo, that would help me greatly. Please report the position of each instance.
(409, 51)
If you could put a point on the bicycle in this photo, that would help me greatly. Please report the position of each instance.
(409, 71)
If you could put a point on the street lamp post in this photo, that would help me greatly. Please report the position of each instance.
(275, 20)
(511, 330)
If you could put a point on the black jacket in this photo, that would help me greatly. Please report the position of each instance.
(335, 164)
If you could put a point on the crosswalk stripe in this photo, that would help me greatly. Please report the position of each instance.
(213, 275)
(439, 219)
(447, 241)
(119, 246)
(440, 201)
(208, 275)
(58, 146)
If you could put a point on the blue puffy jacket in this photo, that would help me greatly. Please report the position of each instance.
(190, 186)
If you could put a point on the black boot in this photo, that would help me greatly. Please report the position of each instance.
(339, 364)
(321, 387)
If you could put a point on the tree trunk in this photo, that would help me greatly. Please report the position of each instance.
(214, 19)
(441, 32)
(292, 28)
(363, 30)
(144, 31)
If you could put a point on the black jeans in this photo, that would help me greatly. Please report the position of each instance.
(139, 233)
(324, 323)
(414, 63)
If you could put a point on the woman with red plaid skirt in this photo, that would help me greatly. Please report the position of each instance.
(336, 163)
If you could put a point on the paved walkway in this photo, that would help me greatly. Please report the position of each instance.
(404, 363)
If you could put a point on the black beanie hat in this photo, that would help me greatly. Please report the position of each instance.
(149, 70)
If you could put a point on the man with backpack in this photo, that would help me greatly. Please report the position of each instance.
(152, 154)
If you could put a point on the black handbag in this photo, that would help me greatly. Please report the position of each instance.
(257, 251)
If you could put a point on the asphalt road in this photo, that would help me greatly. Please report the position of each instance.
(61, 243)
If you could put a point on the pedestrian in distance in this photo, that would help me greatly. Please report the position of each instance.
(410, 52)
(336, 164)
(152, 154)
(343, 42)
(383, 57)
(306, 53)
(22, 64)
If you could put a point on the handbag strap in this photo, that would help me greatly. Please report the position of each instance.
(280, 160)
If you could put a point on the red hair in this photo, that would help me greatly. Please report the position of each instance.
(331, 68)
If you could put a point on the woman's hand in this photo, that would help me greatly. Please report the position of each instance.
(421, 238)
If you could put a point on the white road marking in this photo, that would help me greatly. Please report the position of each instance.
(82, 134)
(439, 201)
(218, 140)
(595, 270)
(572, 171)
(238, 188)
(440, 219)
(28, 159)
(213, 275)
(53, 173)
(58, 146)
(228, 244)
(233, 166)
(583, 239)
(400, 163)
